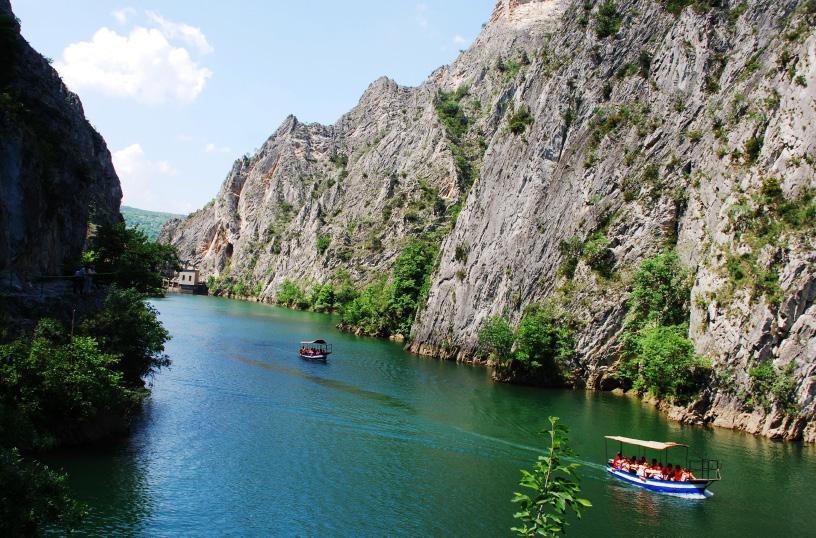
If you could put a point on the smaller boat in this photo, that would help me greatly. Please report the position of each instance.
(708, 470)
(315, 350)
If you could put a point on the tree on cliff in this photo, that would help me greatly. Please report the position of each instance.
(131, 259)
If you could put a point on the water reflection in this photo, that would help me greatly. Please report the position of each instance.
(112, 481)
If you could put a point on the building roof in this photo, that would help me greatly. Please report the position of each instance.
(654, 445)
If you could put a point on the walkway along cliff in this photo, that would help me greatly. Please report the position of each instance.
(572, 141)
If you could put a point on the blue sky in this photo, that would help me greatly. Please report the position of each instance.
(180, 91)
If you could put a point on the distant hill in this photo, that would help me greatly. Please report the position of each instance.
(150, 222)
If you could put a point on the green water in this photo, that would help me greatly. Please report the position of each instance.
(243, 438)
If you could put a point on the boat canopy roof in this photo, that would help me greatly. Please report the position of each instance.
(654, 445)
(315, 342)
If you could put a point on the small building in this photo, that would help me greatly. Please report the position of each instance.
(187, 281)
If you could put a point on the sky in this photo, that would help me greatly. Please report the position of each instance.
(179, 91)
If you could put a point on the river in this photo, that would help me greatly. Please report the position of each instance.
(240, 437)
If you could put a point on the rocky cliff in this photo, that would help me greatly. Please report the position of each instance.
(638, 125)
(56, 174)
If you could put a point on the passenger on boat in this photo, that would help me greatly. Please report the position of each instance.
(677, 473)
(616, 462)
(687, 475)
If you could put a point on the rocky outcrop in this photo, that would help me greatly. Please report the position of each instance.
(56, 174)
(653, 129)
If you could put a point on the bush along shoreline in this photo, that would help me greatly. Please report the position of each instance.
(74, 373)
(384, 308)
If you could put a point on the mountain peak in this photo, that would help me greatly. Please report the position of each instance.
(522, 12)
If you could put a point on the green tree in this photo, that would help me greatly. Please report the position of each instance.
(496, 339)
(661, 292)
(544, 339)
(597, 254)
(53, 385)
(555, 486)
(129, 259)
(33, 498)
(128, 326)
(369, 312)
(657, 354)
(291, 295)
(344, 290)
(322, 297)
(323, 243)
(667, 364)
(519, 120)
(609, 20)
(412, 272)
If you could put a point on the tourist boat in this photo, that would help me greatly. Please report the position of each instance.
(315, 350)
(706, 473)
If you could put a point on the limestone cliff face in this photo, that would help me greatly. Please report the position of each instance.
(56, 174)
(662, 134)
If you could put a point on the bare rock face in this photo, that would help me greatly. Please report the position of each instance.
(56, 174)
(668, 133)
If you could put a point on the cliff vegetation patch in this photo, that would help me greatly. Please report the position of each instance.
(657, 356)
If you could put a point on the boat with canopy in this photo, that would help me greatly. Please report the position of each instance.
(315, 350)
(707, 471)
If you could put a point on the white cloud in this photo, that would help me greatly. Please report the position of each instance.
(121, 15)
(213, 148)
(141, 177)
(459, 40)
(422, 16)
(142, 65)
(178, 30)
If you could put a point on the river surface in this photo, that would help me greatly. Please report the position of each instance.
(243, 438)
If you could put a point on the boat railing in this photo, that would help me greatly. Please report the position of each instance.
(707, 469)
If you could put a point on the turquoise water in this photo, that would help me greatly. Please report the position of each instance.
(242, 438)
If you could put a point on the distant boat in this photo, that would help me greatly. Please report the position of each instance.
(315, 350)
(695, 486)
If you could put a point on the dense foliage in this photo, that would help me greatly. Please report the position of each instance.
(149, 222)
(126, 257)
(770, 387)
(541, 346)
(67, 386)
(555, 486)
(666, 362)
(53, 384)
(330, 296)
(519, 120)
(450, 112)
(385, 308)
(33, 497)
(657, 354)
(128, 327)
(544, 339)
(496, 339)
(608, 21)
(661, 292)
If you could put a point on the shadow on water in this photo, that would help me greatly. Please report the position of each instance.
(331, 383)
